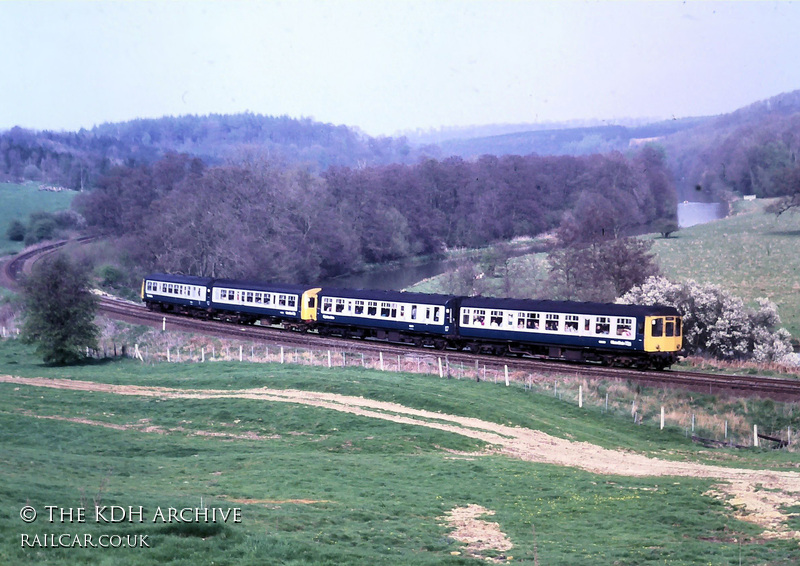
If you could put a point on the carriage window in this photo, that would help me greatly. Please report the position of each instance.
(402, 311)
(479, 317)
(394, 310)
(385, 310)
(282, 300)
(372, 308)
(496, 318)
(658, 327)
(436, 313)
(249, 297)
(339, 305)
(571, 323)
(267, 298)
(413, 312)
(533, 321)
(350, 306)
(327, 304)
(292, 301)
(464, 316)
(258, 297)
(603, 325)
(624, 326)
(359, 307)
(427, 313)
(670, 327)
(551, 322)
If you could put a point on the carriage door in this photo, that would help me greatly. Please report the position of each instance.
(585, 327)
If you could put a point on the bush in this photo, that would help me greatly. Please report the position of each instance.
(716, 322)
(16, 231)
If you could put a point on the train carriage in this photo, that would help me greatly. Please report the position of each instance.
(417, 318)
(248, 302)
(183, 294)
(627, 335)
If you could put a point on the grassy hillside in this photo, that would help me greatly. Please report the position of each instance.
(751, 253)
(18, 201)
(317, 486)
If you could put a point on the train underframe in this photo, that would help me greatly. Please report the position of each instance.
(614, 358)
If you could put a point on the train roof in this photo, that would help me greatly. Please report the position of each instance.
(180, 279)
(569, 307)
(261, 286)
(387, 296)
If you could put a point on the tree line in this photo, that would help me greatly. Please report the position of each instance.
(252, 218)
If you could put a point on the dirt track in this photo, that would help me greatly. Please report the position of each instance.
(756, 494)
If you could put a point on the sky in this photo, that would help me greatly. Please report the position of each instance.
(387, 66)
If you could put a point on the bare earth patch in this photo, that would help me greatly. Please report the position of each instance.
(757, 495)
(478, 534)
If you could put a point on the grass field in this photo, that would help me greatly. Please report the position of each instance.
(19, 201)
(752, 254)
(317, 486)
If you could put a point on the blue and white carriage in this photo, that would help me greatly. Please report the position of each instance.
(396, 316)
(177, 293)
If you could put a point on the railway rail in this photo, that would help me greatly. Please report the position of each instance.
(781, 389)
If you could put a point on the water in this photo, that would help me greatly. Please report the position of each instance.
(393, 278)
(692, 213)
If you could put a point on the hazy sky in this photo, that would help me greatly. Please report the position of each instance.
(387, 66)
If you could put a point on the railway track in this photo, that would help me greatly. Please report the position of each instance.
(776, 388)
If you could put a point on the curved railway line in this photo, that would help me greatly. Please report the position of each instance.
(776, 388)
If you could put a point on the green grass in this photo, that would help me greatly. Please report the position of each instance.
(18, 201)
(375, 490)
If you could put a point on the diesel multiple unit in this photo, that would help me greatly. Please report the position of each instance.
(613, 334)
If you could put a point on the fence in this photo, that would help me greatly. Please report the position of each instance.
(605, 397)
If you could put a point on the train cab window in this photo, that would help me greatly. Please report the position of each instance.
(571, 323)
(413, 312)
(533, 321)
(385, 310)
(602, 325)
(359, 307)
(551, 322)
(312, 302)
(327, 304)
(496, 318)
(677, 326)
(339, 305)
(372, 308)
(624, 326)
(436, 313)
(658, 327)
(669, 327)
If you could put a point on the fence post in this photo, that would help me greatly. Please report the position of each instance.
(726, 429)
(692, 422)
(203, 354)
(505, 367)
(662, 417)
(240, 353)
(606, 402)
(755, 435)
(281, 354)
(168, 360)
(580, 396)
(441, 372)
(381, 358)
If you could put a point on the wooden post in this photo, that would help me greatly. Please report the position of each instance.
(281, 354)
(726, 429)
(398, 362)
(692, 422)
(330, 364)
(755, 435)
(606, 402)
(506, 373)
(240, 353)
(580, 396)
(662, 417)
(164, 323)
(381, 355)
(168, 360)
(441, 371)
(203, 354)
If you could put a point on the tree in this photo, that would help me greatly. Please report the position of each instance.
(59, 311)
(718, 323)
(601, 271)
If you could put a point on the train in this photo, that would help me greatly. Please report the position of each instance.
(638, 336)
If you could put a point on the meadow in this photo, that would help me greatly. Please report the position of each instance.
(317, 486)
(19, 201)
